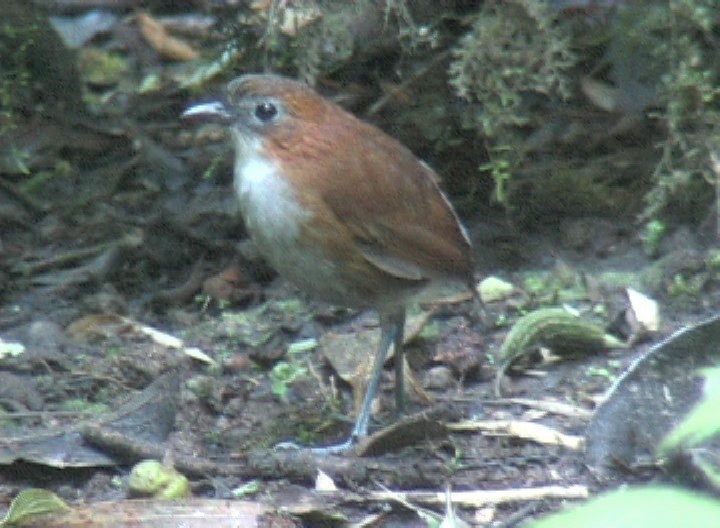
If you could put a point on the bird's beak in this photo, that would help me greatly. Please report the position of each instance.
(214, 111)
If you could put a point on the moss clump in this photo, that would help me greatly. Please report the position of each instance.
(15, 75)
(513, 49)
(689, 97)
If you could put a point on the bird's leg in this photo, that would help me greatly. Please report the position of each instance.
(392, 327)
(398, 321)
(478, 314)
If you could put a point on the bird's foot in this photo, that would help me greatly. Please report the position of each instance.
(336, 449)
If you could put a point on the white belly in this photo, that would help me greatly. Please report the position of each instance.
(274, 219)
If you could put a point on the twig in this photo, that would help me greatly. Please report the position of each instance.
(477, 498)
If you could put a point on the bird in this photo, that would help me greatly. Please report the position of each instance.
(341, 209)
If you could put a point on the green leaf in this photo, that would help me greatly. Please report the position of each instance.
(701, 423)
(31, 503)
(650, 507)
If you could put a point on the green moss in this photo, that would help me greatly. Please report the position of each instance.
(652, 236)
(683, 285)
(513, 49)
(712, 260)
(101, 68)
(689, 97)
(618, 279)
(552, 287)
(15, 75)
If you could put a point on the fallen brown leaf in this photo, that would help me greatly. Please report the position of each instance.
(165, 44)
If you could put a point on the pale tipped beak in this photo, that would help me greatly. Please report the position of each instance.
(213, 111)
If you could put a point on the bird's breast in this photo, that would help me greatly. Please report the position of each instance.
(273, 216)
(277, 222)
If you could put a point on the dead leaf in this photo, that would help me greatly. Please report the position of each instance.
(166, 45)
(149, 416)
(97, 327)
(352, 354)
(601, 94)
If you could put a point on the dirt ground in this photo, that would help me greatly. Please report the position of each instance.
(136, 322)
(86, 356)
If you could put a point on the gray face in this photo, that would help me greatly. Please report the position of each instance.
(250, 114)
(256, 113)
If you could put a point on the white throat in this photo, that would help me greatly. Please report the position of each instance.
(272, 214)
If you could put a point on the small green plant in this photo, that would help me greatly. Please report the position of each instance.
(306, 436)
(600, 372)
(682, 285)
(283, 374)
(114, 352)
(501, 170)
(214, 437)
(652, 237)
(247, 489)
(701, 423)
(457, 462)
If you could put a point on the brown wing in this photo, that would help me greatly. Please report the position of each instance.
(400, 218)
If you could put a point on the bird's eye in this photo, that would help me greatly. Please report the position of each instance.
(265, 111)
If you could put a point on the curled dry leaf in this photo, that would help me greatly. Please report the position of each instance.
(165, 44)
(324, 482)
(555, 328)
(643, 313)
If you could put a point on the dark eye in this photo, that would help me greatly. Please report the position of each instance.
(265, 111)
